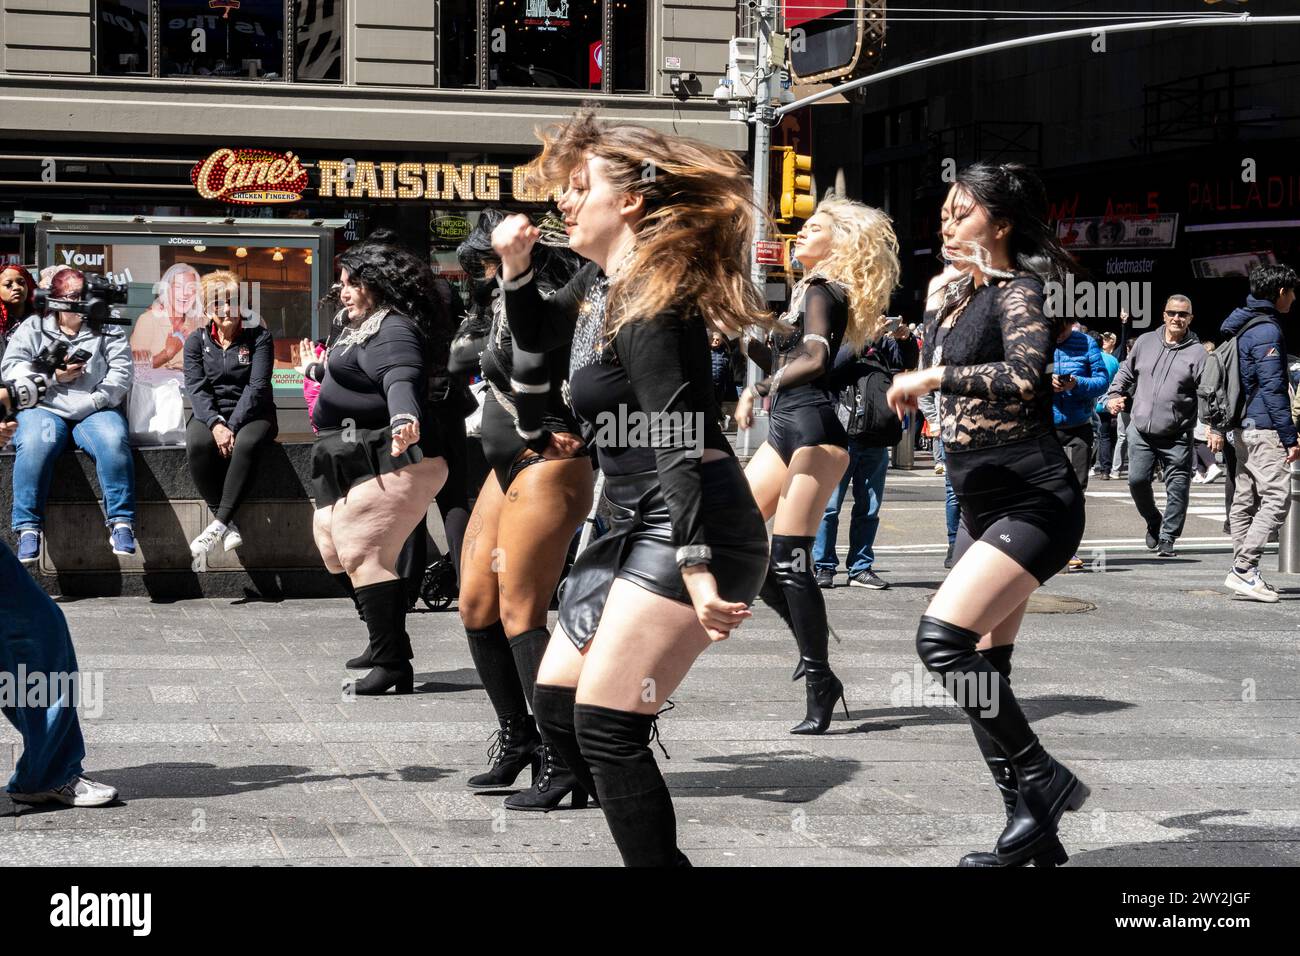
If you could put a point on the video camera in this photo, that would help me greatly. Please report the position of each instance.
(55, 356)
(20, 394)
(99, 295)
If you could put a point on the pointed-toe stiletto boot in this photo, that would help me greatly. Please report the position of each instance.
(550, 787)
(517, 745)
(823, 691)
(1046, 789)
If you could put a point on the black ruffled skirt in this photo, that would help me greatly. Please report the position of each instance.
(343, 457)
(638, 547)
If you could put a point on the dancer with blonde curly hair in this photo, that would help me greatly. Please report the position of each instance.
(666, 225)
(850, 254)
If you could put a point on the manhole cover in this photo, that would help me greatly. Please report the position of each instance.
(1055, 604)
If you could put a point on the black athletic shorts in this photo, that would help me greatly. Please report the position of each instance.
(1022, 498)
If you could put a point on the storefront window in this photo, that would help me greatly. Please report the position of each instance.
(164, 303)
(318, 40)
(545, 43)
(458, 43)
(242, 39)
(122, 37)
(631, 31)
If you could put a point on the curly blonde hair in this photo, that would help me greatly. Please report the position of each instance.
(863, 259)
(694, 242)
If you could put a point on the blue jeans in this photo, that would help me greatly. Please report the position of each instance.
(952, 513)
(34, 636)
(867, 469)
(42, 436)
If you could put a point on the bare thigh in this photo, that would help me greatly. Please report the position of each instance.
(641, 652)
(321, 520)
(372, 522)
(478, 601)
(766, 476)
(814, 474)
(543, 510)
(984, 590)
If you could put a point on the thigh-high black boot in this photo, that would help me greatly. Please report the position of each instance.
(1045, 787)
(791, 567)
(633, 795)
(517, 742)
(563, 770)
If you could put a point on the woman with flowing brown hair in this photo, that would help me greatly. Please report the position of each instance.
(666, 225)
(850, 253)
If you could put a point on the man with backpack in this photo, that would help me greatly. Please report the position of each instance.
(1157, 384)
(873, 429)
(1253, 400)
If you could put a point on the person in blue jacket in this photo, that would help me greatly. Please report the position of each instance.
(1079, 377)
(1106, 422)
(1265, 441)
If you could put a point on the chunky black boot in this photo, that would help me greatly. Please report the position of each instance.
(1045, 787)
(383, 607)
(790, 589)
(824, 690)
(553, 708)
(362, 660)
(1046, 790)
(1004, 775)
(633, 795)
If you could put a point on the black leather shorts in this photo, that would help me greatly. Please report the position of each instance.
(639, 548)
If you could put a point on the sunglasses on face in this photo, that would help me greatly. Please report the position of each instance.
(1178, 313)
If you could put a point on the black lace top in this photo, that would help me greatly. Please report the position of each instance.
(997, 356)
(808, 352)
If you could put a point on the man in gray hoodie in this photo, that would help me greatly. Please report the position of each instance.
(84, 402)
(1156, 384)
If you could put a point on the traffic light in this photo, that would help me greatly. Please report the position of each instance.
(797, 200)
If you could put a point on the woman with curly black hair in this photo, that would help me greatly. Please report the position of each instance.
(989, 347)
(522, 525)
(379, 457)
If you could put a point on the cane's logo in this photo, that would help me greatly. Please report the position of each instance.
(250, 177)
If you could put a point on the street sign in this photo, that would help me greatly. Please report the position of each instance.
(769, 252)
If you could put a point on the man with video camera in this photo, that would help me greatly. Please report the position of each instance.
(34, 642)
(75, 343)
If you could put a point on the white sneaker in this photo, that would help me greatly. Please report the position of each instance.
(1199, 479)
(231, 540)
(939, 469)
(77, 792)
(1251, 585)
(207, 540)
(1212, 474)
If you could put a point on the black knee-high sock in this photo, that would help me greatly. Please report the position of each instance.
(1000, 658)
(946, 649)
(496, 669)
(553, 709)
(791, 565)
(383, 607)
(345, 583)
(528, 649)
(632, 792)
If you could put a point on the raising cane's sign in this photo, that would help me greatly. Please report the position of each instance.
(250, 177)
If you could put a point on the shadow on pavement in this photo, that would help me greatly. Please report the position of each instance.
(1223, 844)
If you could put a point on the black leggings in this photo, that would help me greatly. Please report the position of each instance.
(222, 481)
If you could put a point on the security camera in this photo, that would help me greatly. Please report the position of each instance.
(723, 93)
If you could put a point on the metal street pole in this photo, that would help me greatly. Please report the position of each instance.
(763, 116)
(1229, 20)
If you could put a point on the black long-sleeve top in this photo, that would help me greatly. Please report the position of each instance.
(807, 354)
(655, 364)
(531, 382)
(230, 386)
(997, 355)
(374, 381)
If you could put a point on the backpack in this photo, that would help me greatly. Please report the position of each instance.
(866, 415)
(1219, 398)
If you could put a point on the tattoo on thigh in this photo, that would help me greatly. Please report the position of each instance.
(513, 495)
